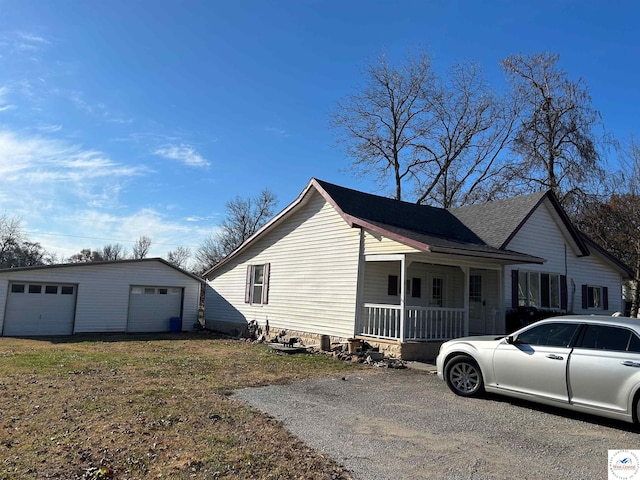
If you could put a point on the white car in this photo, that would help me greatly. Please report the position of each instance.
(584, 363)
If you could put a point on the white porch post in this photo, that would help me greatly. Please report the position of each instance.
(465, 270)
(403, 294)
(357, 327)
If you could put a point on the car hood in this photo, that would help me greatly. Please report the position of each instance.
(478, 338)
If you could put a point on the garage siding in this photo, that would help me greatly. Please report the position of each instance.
(102, 303)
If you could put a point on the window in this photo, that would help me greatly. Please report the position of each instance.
(416, 287)
(136, 290)
(257, 285)
(437, 288)
(595, 297)
(149, 291)
(35, 288)
(17, 288)
(551, 334)
(475, 288)
(541, 290)
(602, 337)
(51, 289)
(65, 290)
(634, 344)
(162, 291)
(392, 285)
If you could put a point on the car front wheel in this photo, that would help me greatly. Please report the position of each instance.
(463, 376)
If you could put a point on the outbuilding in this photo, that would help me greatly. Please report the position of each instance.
(132, 296)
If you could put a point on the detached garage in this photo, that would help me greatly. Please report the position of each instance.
(148, 295)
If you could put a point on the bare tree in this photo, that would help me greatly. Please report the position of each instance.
(141, 247)
(555, 136)
(86, 255)
(179, 257)
(381, 124)
(209, 253)
(465, 129)
(245, 216)
(16, 250)
(11, 236)
(440, 137)
(113, 252)
(613, 219)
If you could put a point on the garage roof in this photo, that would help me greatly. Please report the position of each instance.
(87, 264)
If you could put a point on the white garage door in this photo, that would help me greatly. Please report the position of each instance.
(39, 309)
(151, 308)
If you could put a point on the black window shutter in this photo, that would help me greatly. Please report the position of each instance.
(605, 298)
(563, 292)
(392, 285)
(585, 297)
(416, 287)
(514, 288)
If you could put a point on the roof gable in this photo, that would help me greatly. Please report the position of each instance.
(499, 221)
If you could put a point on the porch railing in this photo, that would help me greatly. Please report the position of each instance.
(420, 323)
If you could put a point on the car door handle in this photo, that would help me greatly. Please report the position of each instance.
(553, 356)
(629, 363)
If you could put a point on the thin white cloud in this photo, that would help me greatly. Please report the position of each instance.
(184, 154)
(276, 131)
(28, 37)
(109, 227)
(50, 128)
(4, 105)
(59, 172)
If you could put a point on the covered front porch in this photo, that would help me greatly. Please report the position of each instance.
(408, 298)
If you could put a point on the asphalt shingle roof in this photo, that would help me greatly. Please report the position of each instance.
(494, 222)
(422, 219)
(434, 227)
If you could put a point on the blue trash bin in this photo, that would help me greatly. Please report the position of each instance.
(175, 324)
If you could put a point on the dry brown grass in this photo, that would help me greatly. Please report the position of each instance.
(149, 408)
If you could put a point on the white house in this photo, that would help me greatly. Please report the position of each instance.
(347, 264)
(148, 295)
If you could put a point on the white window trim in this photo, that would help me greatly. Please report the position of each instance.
(250, 284)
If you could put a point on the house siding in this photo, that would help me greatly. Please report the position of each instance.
(103, 291)
(375, 243)
(313, 256)
(376, 282)
(542, 236)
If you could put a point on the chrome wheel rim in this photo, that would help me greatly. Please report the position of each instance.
(464, 377)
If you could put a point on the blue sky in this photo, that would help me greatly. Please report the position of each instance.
(143, 117)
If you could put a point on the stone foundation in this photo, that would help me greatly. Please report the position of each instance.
(411, 351)
(416, 351)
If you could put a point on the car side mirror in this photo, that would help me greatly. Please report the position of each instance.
(510, 339)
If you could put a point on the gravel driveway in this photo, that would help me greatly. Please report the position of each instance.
(407, 425)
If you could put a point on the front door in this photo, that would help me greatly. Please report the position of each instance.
(476, 305)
